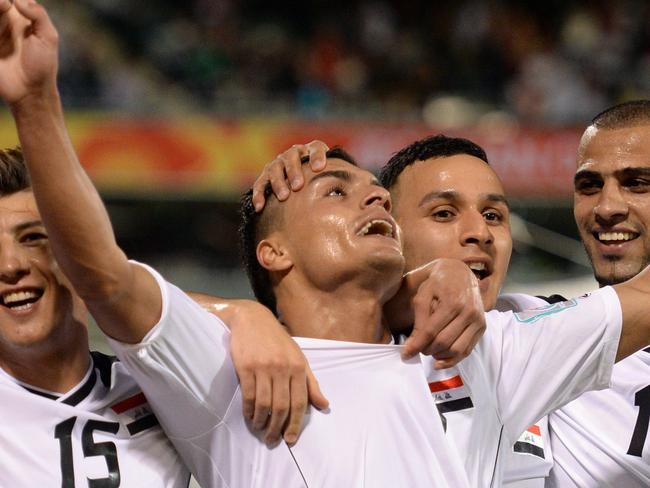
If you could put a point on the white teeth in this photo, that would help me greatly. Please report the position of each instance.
(23, 307)
(18, 296)
(476, 266)
(382, 226)
(615, 236)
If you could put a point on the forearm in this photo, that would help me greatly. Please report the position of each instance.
(123, 299)
(235, 312)
(77, 223)
(634, 296)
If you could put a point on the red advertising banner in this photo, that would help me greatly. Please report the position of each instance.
(220, 158)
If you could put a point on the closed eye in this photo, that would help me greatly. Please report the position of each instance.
(588, 186)
(639, 185)
(33, 238)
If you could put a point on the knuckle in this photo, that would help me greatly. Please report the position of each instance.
(262, 406)
(297, 368)
(419, 300)
(247, 368)
(248, 395)
(276, 365)
(300, 405)
(281, 407)
(427, 332)
(456, 350)
(442, 345)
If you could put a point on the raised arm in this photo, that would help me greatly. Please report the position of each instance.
(123, 298)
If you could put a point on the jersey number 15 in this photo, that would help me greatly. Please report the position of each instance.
(63, 432)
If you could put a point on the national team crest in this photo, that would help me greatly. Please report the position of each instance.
(532, 316)
(138, 413)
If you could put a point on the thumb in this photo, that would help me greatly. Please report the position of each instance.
(41, 24)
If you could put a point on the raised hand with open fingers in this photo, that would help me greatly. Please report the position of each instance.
(28, 50)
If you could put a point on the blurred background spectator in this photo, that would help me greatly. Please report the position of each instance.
(554, 62)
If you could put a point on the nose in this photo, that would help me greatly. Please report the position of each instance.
(378, 195)
(611, 207)
(13, 263)
(475, 230)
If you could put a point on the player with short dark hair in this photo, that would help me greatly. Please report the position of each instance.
(450, 203)
(13, 172)
(62, 404)
(255, 226)
(601, 438)
(435, 146)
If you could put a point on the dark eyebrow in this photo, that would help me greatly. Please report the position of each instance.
(432, 195)
(497, 198)
(635, 171)
(339, 174)
(454, 195)
(621, 173)
(27, 225)
(585, 174)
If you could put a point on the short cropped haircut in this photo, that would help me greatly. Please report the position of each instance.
(255, 226)
(438, 146)
(627, 114)
(14, 176)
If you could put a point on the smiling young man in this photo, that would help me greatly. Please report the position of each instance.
(601, 439)
(450, 203)
(62, 405)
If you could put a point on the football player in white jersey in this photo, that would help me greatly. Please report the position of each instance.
(601, 439)
(169, 342)
(69, 418)
(450, 203)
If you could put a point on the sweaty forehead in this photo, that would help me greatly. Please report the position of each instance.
(459, 172)
(606, 150)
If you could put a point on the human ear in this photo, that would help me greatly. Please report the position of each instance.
(273, 255)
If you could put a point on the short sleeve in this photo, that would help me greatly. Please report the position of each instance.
(183, 364)
(537, 360)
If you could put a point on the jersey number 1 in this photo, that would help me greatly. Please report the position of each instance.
(641, 400)
(63, 432)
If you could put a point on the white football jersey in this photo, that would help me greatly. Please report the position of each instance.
(378, 431)
(530, 460)
(102, 433)
(526, 365)
(601, 439)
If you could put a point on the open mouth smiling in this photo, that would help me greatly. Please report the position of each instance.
(615, 237)
(377, 227)
(21, 300)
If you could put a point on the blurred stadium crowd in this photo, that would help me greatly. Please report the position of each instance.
(554, 62)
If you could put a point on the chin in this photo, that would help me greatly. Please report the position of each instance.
(388, 263)
(615, 271)
(389, 271)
